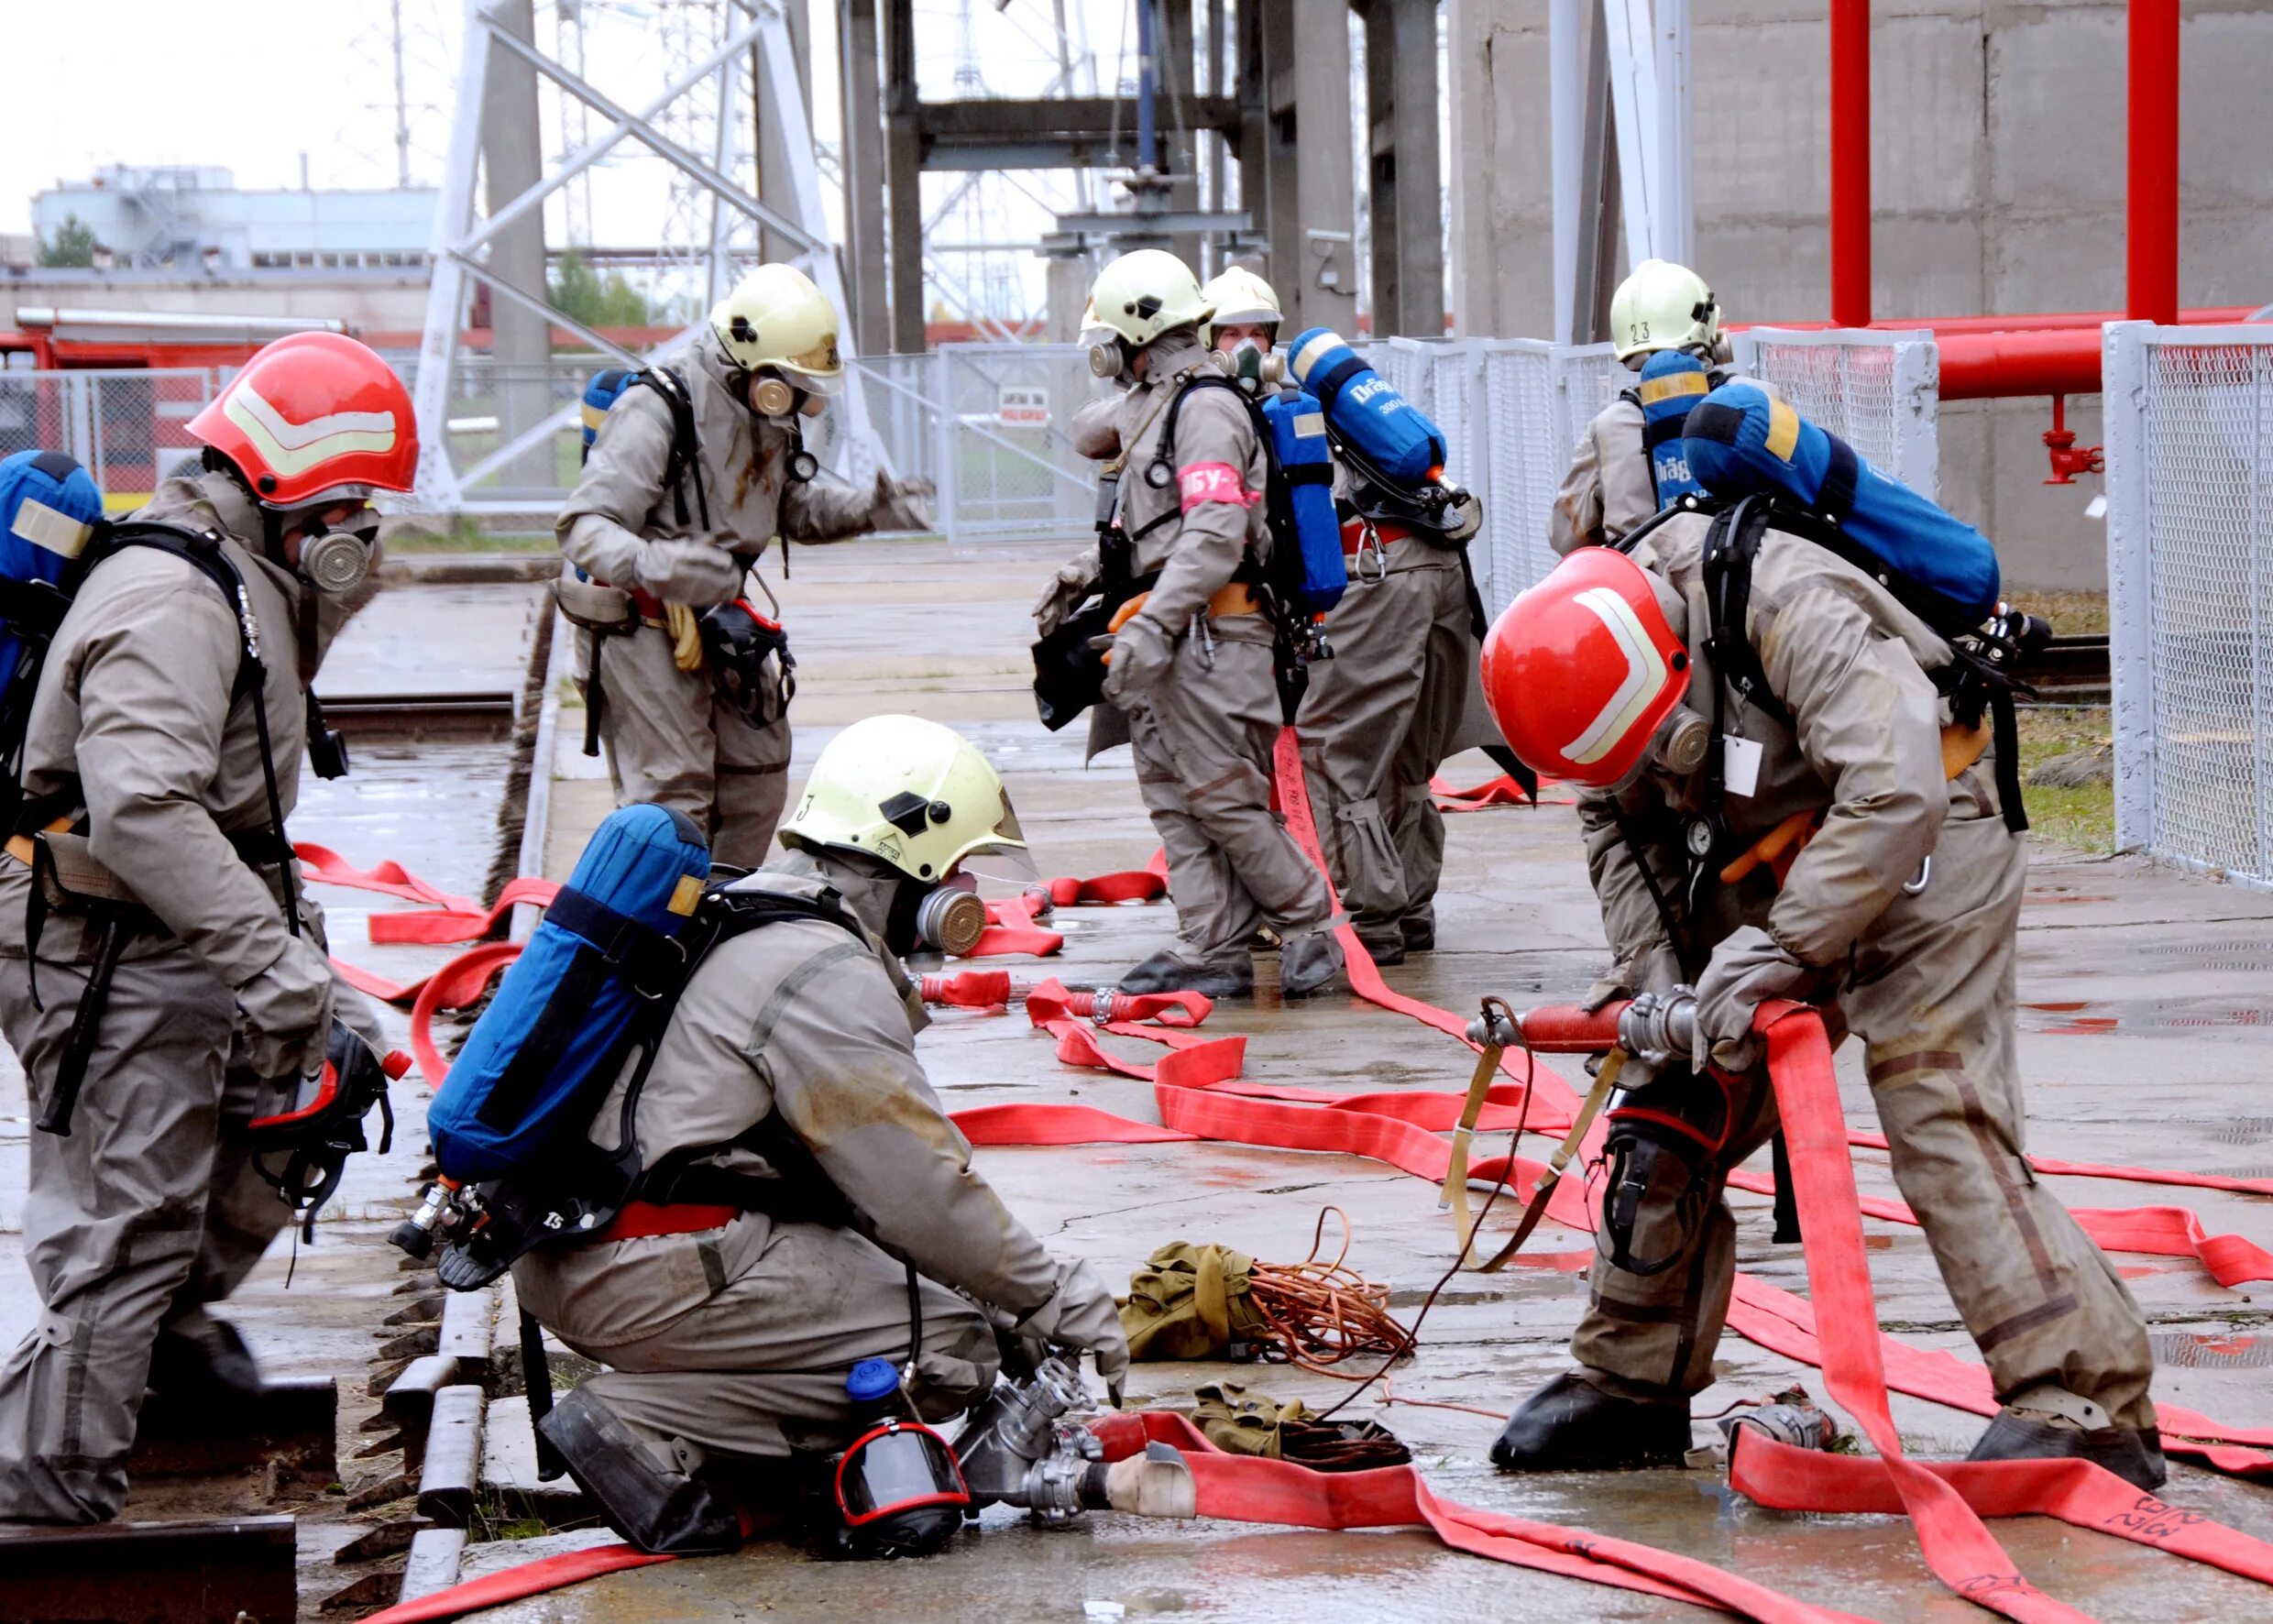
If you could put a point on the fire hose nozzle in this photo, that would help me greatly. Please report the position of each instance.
(1660, 1026)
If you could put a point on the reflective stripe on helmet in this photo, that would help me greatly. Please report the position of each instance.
(1645, 675)
(291, 448)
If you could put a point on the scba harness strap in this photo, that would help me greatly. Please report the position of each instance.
(517, 1216)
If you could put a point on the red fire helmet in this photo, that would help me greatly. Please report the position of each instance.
(1580, 670)
(314, 417)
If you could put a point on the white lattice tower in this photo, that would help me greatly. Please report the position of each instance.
(687, 112)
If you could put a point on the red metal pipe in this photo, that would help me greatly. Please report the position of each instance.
(2032, 322)
(1851, 163)
(1989, 366)
(2151, 242)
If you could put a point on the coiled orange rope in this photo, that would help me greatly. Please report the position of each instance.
(1317, 1313)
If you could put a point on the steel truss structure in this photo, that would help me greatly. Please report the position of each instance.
(461, 238)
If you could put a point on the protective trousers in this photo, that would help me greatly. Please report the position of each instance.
(1379, 717)
(671, 741)
(759, 1368)
(1203, 738)
(1931, 992)
(149, 1211)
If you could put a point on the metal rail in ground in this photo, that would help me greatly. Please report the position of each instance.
(416, 718)
(208, 1571)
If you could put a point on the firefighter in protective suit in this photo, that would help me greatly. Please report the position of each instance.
(1379, 717)
(1898, 915)
(654, 552)
(1609, 489)
(147, 801)
(729, 1333)
(1191, 663)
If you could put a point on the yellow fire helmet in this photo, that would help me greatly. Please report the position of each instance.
(1662, 306)
(1144, 294)
(775, 317)
(913, 794)
(1239, 298)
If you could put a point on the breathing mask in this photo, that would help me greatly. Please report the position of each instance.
(945, 918)
(1254, 368)
(336, 561)
(899, 1490)
(1109, 357)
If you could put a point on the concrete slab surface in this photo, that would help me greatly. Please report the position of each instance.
(2144, 1039)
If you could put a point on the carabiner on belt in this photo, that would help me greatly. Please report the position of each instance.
(1369, 544)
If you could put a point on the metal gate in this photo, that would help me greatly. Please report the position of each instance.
(991, 425)
(2190, 578)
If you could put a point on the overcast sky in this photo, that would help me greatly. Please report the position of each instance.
(253, 85)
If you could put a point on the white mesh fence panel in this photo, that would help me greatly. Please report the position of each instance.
(2190, 486)
(1878, 391)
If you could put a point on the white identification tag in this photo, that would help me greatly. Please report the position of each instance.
(1740, 764)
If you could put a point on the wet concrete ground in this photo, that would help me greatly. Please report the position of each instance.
(2143, 1043)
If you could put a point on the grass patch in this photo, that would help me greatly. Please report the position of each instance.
(463, 532)
(2084, 818)
(2072, 614)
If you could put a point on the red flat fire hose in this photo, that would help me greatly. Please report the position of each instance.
(514, 1584)
(1197, 1099)
(1246, 1488)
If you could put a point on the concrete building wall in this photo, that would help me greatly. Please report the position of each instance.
(1997, 165)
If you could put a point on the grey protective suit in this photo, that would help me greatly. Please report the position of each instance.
(149, 1210)
(1609, 490)
(1378, 720)
(1926, 979)
(668, 738)
(1204, 719)
(738, 1340)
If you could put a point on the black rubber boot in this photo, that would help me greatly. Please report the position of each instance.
(214, 1366)
(663, 1512)
(2132, 1454)
(1170, 972)
(1570, 1425)
(1420, 934)
(1306, 964)
(1384, 950)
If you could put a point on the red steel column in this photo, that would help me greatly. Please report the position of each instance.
(1851, 161)
(2151, 237)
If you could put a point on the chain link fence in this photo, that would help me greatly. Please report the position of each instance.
(2190, 573)
(1880, 392)
(128, 428)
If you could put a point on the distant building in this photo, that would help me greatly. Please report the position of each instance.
(196, 218)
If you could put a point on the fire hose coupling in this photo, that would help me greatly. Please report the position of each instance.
(1660, 1026)
(1019, 1449)
(1495, 1027)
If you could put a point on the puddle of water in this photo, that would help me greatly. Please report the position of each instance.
(2192, 1350)
(2140, 1016)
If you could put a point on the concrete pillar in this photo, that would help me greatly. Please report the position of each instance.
(1278, 209)
(774, 188)
(1408, 243)
(512, 153)
(1179, 148)
(867, 265)
(1067, 290)
(1256, 137)
(1323, 251)
(903, 163)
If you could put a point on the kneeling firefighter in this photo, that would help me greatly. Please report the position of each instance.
(162, 971)
(1200, 639)
(1792, 720)
(697, 464)
(1616, 481)
(774, 1236)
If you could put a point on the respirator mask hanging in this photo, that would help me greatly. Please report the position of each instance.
(899, 1492)
(778, 400)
